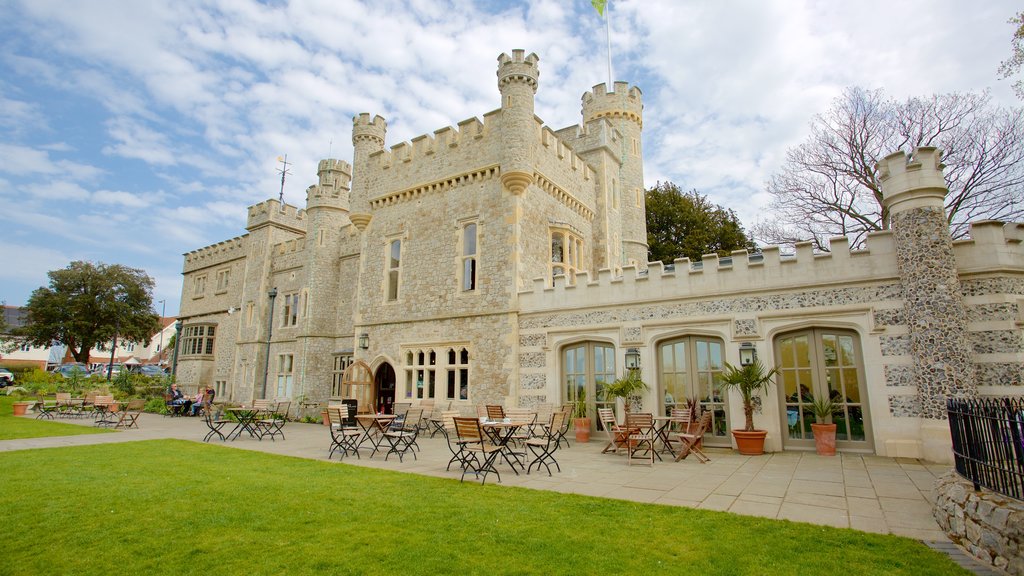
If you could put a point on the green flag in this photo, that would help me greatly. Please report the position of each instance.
(599, 5)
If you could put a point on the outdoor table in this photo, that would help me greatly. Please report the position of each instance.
(105, 413)
(373, 426)
(500, 432)
(662, 429)
(246, 418)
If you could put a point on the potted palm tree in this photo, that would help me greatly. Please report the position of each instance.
(628, 388)
(823, 428)
(581, 418)
(748, 380)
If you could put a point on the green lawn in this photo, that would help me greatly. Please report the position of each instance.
(179, 507)
(12, 428)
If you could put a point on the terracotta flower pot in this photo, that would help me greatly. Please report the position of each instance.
(20, 408)
(750, 443)
(582, 429)
(824, 438)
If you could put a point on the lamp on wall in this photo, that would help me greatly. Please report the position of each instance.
(748, 354)
(364, 341)
(632, 359)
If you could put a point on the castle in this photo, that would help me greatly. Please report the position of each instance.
(501, 261)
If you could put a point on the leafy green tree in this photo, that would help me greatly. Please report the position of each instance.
(688, 225)
(88, 304)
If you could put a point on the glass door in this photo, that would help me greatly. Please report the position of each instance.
(691, 368)
(588, 367)
(815, 364)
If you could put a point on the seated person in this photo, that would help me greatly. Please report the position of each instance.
(203, 398)
(177, 398)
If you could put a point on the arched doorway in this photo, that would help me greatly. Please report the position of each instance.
(384, 383)
(587, 368)
(818, 363)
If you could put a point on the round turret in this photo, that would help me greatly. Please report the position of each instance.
(332, 190)
(368, 134)
(517, 69)
(623, 102)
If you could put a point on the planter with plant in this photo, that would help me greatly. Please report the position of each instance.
(749, 381)
(581, 418)
(823, 428)
(629, 388)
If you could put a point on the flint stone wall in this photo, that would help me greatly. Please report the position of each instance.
(989, 526)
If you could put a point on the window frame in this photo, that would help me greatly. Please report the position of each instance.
(198, 339)
(467, 258)
(393, 269)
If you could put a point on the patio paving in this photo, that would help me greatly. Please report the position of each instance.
(871, 493)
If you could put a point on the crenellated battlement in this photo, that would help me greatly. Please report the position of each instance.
(443, 141)
(335, 177)
(518, 68)
(289, 246)
(624, 101)
(215, 253)
(993, 246)
(366, 130)
(912, 182)
(272, 211)
(718, 277)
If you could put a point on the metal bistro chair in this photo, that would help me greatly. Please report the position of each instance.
(44, 408)
(129, 417)
(451, 435)
(402, 436)
(478, 452)
(273, 424)
(544, 447)
(344, 432)
(215, 422)
(495, 412)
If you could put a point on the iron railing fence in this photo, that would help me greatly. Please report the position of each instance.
(988, 442)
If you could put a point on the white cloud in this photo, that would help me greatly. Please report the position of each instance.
(202, 95)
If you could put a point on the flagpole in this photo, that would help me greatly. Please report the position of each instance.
(608, 38)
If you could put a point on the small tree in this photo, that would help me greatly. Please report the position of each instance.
(749, 380)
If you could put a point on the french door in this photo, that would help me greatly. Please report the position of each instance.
(691, 368)
(587, 367)
(821, 363)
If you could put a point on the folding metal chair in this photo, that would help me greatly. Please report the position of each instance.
(543, 447)
(402, 435)
(344, 432)
(215, 422)
(478, 452)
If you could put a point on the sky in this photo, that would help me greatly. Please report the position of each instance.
(133, 131)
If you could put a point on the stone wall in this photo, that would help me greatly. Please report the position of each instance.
(988, 525)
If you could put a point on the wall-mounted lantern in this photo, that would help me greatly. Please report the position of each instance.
(632, 359)
(748, 354)
(364, 341)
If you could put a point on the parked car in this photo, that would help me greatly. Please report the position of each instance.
(116, 369)
(6, 378)
(69, 370)
(151, 370)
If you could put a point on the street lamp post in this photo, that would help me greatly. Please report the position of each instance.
(270, 331)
